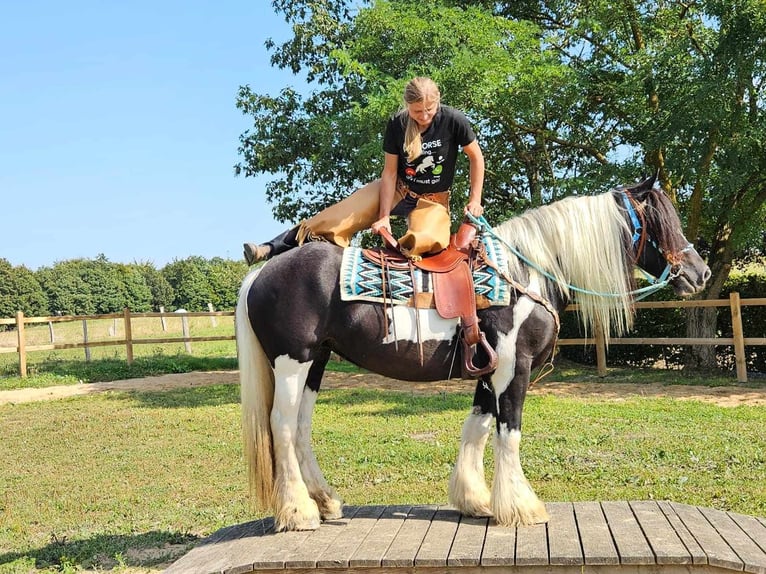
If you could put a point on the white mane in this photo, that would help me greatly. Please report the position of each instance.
(580, 242)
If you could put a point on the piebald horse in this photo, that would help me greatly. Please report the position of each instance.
(290, 317)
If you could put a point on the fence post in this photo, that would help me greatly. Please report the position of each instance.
(600, 350)
(162, 320)
(128, 336)
(22, 345)
(213, 321)
(185, 330)
(85, 339)
(739, 337)
(51, 334)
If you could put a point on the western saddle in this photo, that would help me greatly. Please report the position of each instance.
(454, 296)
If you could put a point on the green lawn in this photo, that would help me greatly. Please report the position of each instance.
(126, 481)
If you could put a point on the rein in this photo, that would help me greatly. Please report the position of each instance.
(657, 283)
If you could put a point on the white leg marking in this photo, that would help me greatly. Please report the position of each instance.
(293, 508)
(330, 505)
(468, 490)
(432, 326)
(513, 500)
(506, 343)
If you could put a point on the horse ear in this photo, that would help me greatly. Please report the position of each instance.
(645, 184)
(648, 183)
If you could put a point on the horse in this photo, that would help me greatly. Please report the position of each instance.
(290, 317)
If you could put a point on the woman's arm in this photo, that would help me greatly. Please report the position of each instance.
(476, 178)
(387, 189)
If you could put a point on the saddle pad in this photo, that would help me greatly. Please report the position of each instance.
(361, 280)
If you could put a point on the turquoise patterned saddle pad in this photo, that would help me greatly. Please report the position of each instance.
(362, 280)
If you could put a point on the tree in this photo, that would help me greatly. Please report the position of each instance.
(225, 277)
(567, 98)
(20, 291)
(190, 284)
(162, 294)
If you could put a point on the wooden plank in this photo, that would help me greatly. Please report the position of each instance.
(661, 536)
(696, 552)
(748, 551)
(717, 550)
(438, 541)
(274, 549)
(217, 552)
(499, 546)
(632, 545)
(339, 554)
(305, 556)
(372, 549)
(597, 545)
(754, 527)
(563, 538)
(401, 553)
(469, 541)
(532, 545)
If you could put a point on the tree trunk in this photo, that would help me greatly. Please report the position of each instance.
(702, 321)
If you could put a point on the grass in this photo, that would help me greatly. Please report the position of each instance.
(127, 481)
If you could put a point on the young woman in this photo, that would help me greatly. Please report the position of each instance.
(421, 145)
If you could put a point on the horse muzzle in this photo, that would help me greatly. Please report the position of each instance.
(690, 275)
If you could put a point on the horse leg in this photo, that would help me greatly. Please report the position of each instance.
(329, 503)
(513, 501)
(294, 509)
(468, 490)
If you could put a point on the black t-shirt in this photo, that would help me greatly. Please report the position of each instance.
(434, 170)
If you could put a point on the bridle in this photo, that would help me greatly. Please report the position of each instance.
(641, 236)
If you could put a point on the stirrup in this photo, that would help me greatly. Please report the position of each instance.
(471, 371)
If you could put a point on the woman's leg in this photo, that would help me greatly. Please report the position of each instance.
(428, 229)
(339, 222)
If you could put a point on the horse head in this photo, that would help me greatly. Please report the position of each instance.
(659, 246)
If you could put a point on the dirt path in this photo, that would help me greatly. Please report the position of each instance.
(723, 396)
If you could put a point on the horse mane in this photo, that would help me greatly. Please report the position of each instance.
(581, 241)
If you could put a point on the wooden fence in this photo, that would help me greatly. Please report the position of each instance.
(735, 304)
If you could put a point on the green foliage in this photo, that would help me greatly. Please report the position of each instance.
(98, 286)
(195, 282)
(20, 291)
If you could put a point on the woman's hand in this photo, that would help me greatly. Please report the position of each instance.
(382, 223)
(474, 208)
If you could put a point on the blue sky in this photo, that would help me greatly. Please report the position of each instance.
(119, 131)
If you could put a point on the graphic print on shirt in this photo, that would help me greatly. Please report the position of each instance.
(427, 168)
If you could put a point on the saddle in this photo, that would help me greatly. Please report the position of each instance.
(454, 296)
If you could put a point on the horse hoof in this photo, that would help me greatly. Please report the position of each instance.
(332, 510)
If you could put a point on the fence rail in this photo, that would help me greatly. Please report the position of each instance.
(735, 304)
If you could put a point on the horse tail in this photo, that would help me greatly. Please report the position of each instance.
(256, 379)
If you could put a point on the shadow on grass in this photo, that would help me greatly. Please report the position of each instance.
(383, 402)
(203, 396)
(105, 370)
(104, 551)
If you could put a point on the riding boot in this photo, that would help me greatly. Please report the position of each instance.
(281, 243)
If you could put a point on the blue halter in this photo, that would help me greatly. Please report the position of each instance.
(637, 232)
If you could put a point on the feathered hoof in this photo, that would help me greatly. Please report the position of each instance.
(475, 506)
(331, 510)
(292, 519)
(526, 516)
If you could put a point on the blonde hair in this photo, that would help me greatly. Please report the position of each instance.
(579, 241)
(418, 89)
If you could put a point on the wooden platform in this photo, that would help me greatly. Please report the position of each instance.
(642, 536)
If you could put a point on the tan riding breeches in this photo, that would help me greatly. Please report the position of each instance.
(428, 224)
